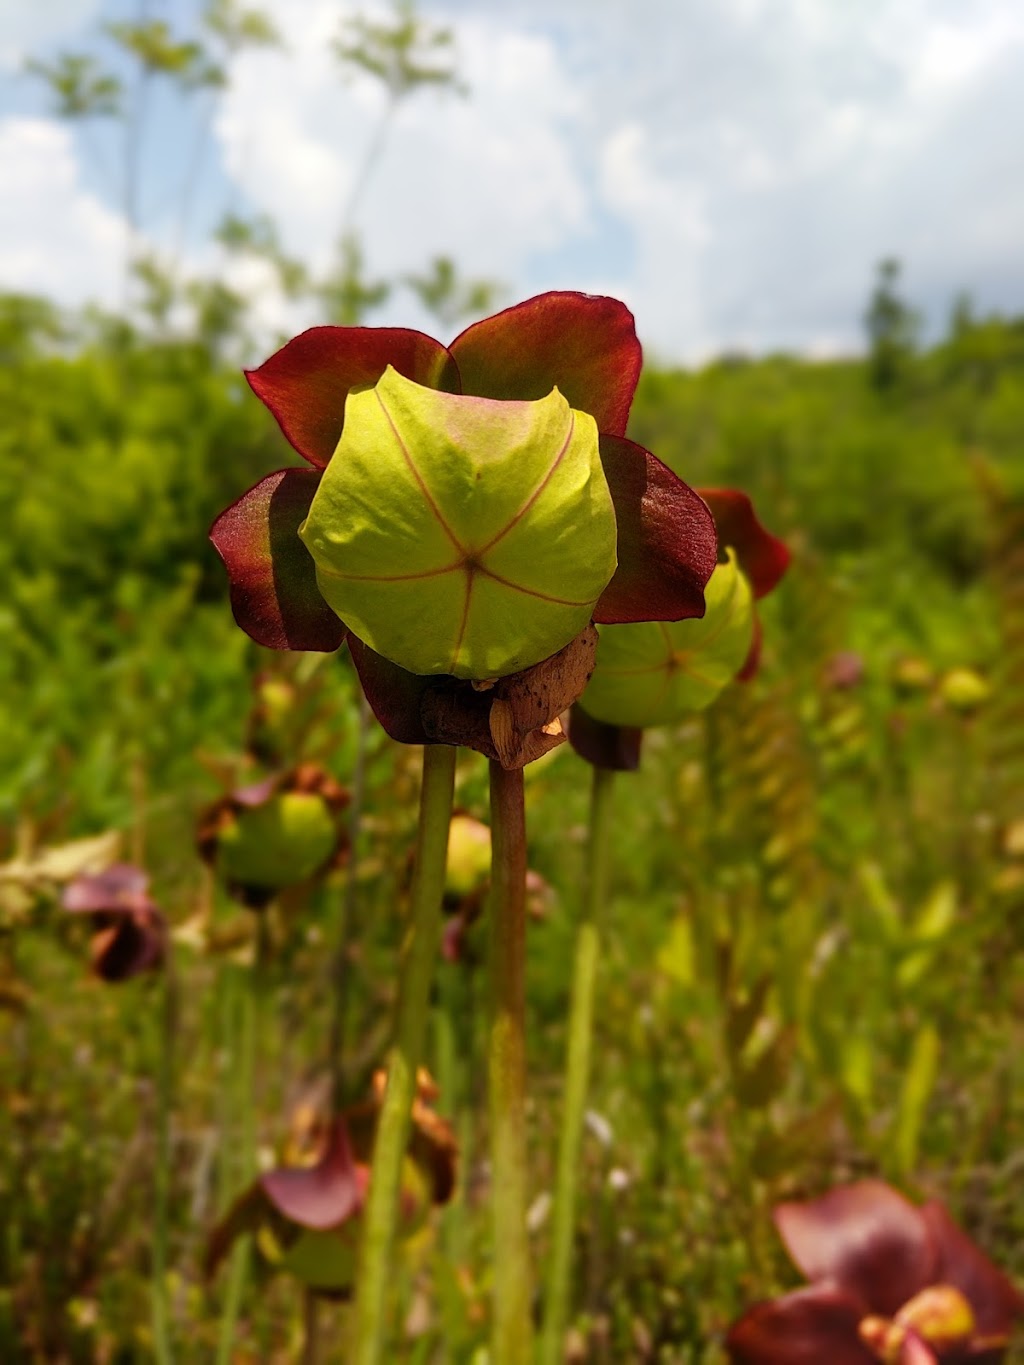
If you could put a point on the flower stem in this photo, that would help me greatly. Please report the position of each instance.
(341, 971)
(421, 951)
(245, 1038)
(512, 1329)
(577, 1068)
(161, 1189)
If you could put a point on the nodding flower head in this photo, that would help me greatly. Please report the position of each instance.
(468, 511)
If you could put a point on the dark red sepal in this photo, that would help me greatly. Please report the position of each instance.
(665, 540)
(615, 747)
(814, 1326)
(121, 887)
(320, 1196)
(864, 1237)
(762, 557)
(306, 382)
(584, 345)
(129, 930)
(395, 695)
(513, 722)
(995, 1300)
(274, 594)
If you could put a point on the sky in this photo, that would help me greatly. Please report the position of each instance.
(732, 169)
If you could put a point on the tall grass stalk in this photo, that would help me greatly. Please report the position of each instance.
(166, 1012)
(245, 1074)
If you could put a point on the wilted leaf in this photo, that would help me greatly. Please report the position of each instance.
(64, 862)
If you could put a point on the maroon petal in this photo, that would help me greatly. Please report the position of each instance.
(666, 540)
(514, 721)
(996, 1302)
(815, 1326)
(134, 944)
(118, 888)
(395, 695)
(306, 382)
(256, 793)
(763, 557)
(320, 1196)
(584, 345)
(274, 595)
(866, 1238)
(616, 747)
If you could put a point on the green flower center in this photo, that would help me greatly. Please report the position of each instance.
(462, 535)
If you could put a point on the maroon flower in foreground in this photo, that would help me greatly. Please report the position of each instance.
(129, 931)
(890, 1282)
(664, 537)
(762, 559)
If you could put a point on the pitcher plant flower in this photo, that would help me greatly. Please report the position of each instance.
(890, 1282)
(305, 1215)
(656, 673)
(129, 930)
(274, 834)
(647, 673)
(469, 509)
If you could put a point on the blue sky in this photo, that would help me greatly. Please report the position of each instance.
(731, 168)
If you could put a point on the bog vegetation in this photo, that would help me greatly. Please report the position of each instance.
(812, 963)
(812, 958)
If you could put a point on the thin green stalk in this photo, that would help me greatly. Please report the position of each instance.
(238, 1271)
(341, 967)
(512, 1327)
(577, 1067)
(421, 950)
(161, 1184)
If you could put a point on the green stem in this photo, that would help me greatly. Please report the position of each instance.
(161, 1185)
(577, 1067)
(238, 1272)
(341, 967)
(421, 951)
(512, 1328)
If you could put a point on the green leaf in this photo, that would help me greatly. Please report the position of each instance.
(677, 955)
(915, 1092)
(857, 1069)
(932, 924)
(881, 901)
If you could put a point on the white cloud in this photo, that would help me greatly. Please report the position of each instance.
(671, 228)
(732, 168)
(490, 180)
(26, 27)
(55, 237)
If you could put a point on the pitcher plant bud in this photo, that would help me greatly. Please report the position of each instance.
(462, 535)
(275, 834)
(656, 672)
